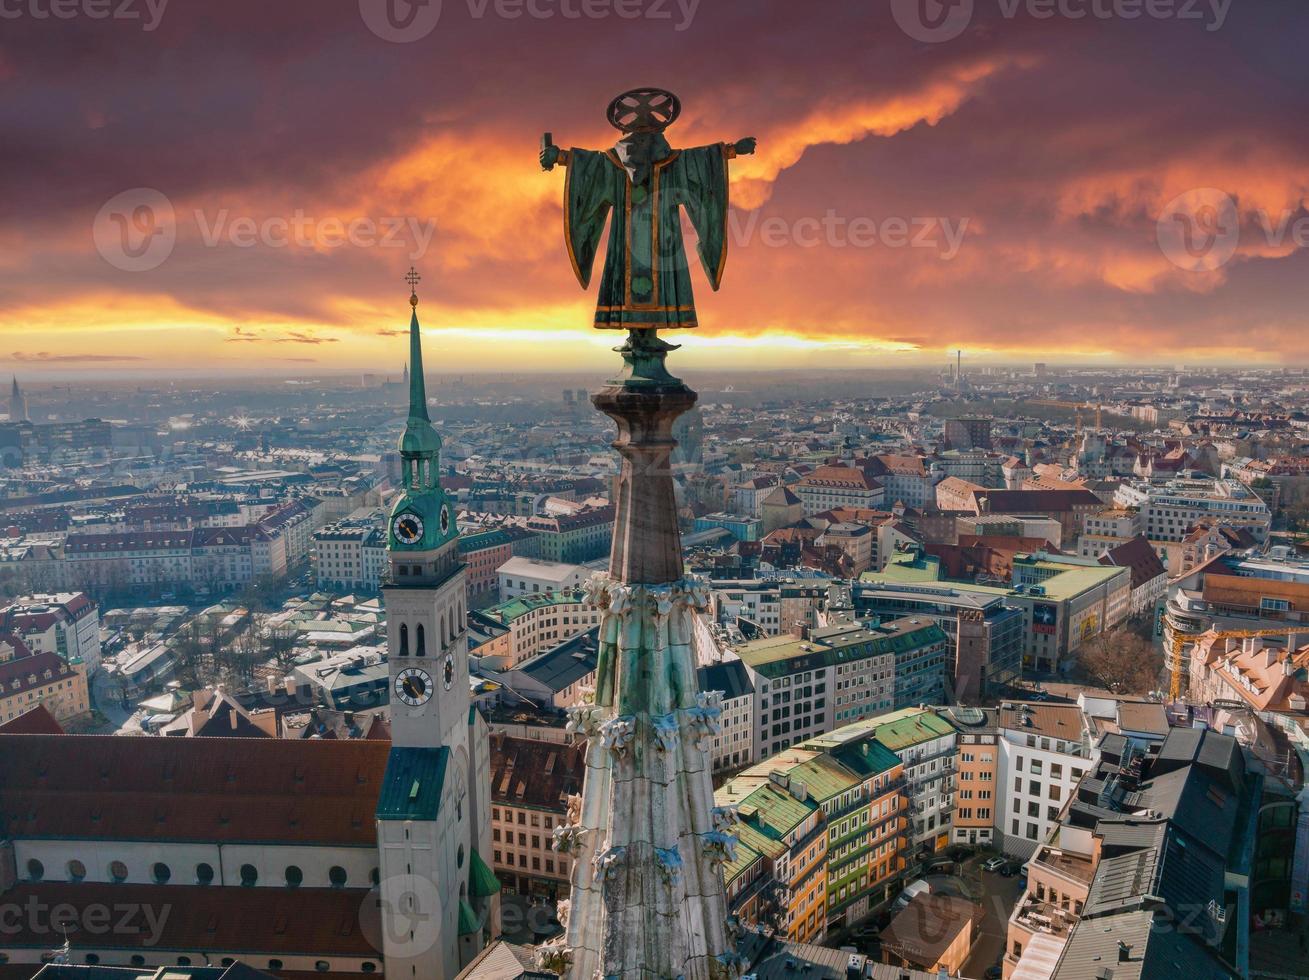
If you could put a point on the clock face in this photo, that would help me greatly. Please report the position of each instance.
(414, 686)
(445, 519)
(408, 528)
(449, 671)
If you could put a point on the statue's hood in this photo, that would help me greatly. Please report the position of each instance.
(639, 152)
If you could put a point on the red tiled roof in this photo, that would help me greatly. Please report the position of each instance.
(38, 721)
(23, 669)
(1138, 555)
(269, 921)
(208, 789)
(839, 476)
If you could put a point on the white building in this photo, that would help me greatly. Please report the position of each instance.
(350, 556)
(1170, 509)
(527, 576)
(1044, 750)
(66, 623)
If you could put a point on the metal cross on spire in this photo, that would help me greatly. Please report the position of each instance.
(413, 278)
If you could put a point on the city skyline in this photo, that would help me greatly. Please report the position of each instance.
(1012, 189)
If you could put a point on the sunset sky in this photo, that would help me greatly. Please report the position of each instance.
(1021, 188)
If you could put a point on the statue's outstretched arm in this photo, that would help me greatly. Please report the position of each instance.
(741, 148)
(551, 154)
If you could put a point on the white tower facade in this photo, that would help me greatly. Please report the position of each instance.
(439, 900)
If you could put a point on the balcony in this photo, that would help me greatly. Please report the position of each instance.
(1036, 916)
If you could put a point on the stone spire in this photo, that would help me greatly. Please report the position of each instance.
(646, 841)
(17, 404)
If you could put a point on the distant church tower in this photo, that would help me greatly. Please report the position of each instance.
(17, 404)
(439, 899)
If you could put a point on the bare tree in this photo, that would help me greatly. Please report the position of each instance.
(1121, 661)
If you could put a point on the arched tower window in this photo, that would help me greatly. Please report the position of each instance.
(422, 642)
(442, 634)
(404, 640)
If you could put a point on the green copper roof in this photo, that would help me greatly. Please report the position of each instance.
(417, 384)
(468, 923)
(411, 788)
(482, 882)
(419, 438)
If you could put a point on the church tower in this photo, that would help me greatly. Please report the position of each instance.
(647, 842)
(17, 404)
(439, 900)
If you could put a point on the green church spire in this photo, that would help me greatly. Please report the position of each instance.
(417, 387)
(421, 518)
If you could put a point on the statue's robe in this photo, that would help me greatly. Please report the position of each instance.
(646, 282)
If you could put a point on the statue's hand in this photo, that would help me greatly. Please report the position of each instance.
(744, 147)
(549, 155)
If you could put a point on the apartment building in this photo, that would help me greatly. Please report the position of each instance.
(1148, 870)
(828, 487)
(521, 628)
(519, 576)
(1169, 509)
(1064, 600)
(531, 783)
(574, 538)
(1043, 752)
(350, 555)
(29, 680)
(822, 834)
(66, 623)
(877, 667)
(977, 778)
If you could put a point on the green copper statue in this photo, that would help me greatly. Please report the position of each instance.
(646, 283)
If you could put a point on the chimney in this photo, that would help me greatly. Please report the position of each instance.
(1124, 952)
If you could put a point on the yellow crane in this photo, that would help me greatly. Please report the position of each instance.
(1181, 639)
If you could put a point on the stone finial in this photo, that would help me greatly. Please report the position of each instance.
(666, 730)
(568, 838)
(555, 957)
(608, 861)
(583, 719)
(616, 734)
(597, 589)
(670, 864)
(719, 847)
(726, 818)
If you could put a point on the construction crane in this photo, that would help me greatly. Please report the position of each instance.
(1181, 639)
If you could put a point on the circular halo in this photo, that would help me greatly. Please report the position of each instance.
(644, 110)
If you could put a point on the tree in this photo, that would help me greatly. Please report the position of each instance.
(1122, 661)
